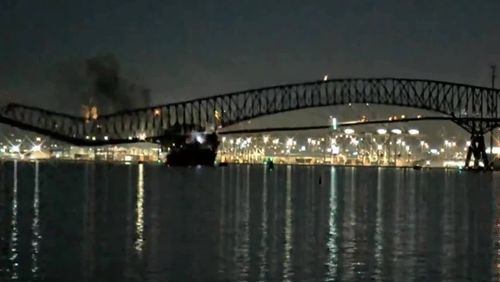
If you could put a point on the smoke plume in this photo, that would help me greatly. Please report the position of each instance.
(98, 81)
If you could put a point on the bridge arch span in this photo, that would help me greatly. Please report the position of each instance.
(454, 100)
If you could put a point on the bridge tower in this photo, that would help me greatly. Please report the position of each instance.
(477, 148)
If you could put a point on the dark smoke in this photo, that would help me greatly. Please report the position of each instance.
(98, 81)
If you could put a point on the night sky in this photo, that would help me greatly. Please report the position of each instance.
(187, 49)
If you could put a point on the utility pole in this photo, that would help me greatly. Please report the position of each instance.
(493, 77)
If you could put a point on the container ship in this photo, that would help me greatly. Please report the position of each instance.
(192, 149)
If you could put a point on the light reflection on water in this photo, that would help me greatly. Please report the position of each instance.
(36, 223)
(139, 224)
(245, 223)
(14, 251)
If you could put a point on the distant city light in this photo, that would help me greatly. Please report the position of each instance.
(381, 131)
(265, 139)
(354, 141)
(93, 138)
(335, 150)
(15, 148)
(106, 138)
(396, 131)
(223, 139)
(325, 78)
(141, 136)
(413, 131)
(379, 147)
(349, 131)
(334, 123)
(289, 142)
(36, 148)
(38, 139)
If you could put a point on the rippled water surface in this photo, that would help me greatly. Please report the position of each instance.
(103, 222)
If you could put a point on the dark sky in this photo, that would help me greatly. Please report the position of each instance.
(185, 49)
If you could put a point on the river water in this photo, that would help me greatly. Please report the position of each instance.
(110, 222)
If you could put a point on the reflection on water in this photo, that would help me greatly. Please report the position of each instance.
(14, 255)
(244, 223)
(36, 224)
(139, 224)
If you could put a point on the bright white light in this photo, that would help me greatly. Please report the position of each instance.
(335, 150)
(199, 138)
(15, 148)
(396, 131)
(265, 139)
(496, 150)
(249, 140)
(93, 138)
(38, 139)
(379, 147)
(141, 136)
(434, 152)
(223, 139)
(354, 141)
(413, 131)
(130, 138)
(381, 131)
(467, 143)
(334, 123)
(231, 141)
(303, 148)
(289, 142)
(422, 143)
(349, 131)
(325, 78)
(106, 138)
(36, 148)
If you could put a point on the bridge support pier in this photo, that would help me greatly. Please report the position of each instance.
(477, 148)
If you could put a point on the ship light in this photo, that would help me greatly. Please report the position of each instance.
(199, 137)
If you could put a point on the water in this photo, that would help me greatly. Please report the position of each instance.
(103, 222)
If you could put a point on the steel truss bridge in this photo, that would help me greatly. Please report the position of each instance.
(475, 109)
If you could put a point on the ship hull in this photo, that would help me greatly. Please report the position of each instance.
(191, 151)
(192, 157)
